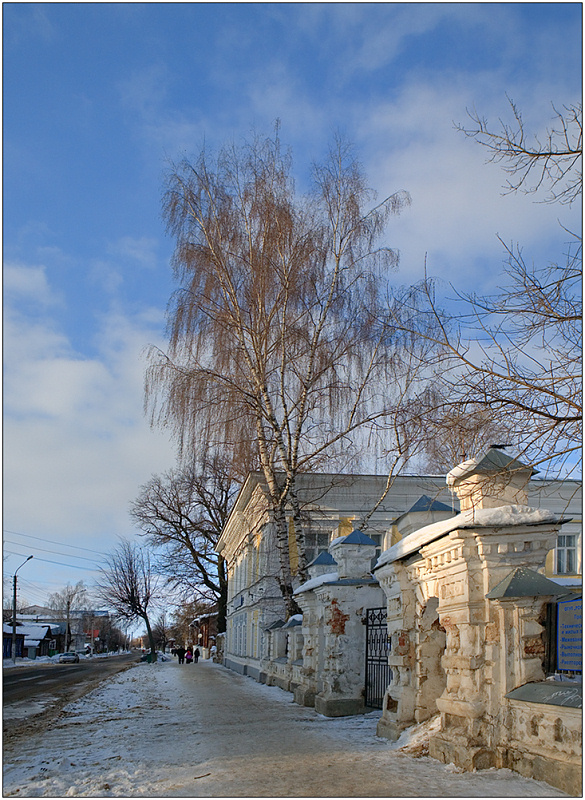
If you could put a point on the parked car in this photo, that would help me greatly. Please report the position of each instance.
(68, 658)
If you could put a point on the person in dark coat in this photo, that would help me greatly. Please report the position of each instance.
(181, 654)
(196, 655)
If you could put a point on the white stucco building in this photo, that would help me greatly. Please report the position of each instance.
(333, 506)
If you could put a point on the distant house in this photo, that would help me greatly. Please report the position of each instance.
(204, 629)
(38, 639)
(83, 628)
(7, 641)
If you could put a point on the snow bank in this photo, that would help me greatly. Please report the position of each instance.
(7, 663)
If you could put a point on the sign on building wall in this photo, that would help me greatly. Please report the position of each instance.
(569, 635)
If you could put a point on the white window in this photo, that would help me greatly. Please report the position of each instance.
(566, 555)
(315, 544)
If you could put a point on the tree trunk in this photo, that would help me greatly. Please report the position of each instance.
(150, 639)
(284, 575)
(299, 534)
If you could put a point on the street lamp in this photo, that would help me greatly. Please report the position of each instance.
(14, 611)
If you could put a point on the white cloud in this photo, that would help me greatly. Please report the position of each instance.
(458, 209)
(27, 283)
(77, 446)
(140, 250)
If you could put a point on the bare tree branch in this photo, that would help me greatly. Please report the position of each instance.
(552, 161)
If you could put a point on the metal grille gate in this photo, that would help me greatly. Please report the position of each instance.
(378, 672)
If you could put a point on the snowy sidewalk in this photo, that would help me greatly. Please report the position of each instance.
(200, 730)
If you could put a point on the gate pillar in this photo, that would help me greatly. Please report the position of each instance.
(400, 696)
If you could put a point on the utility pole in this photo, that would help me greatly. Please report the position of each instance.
(67, 629)
(14, 611)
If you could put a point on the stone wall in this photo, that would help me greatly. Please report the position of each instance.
(465, 601)
(544, 742)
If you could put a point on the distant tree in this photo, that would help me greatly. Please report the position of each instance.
(182, 514)
(128, 587)
(109, 635)
(453, 434)
(68, 599)
(161, 631)
(180, 625)
(278, 333)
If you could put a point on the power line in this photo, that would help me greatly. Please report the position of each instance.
(37, 586)
(55, 552)
(63, 544)
(60, 563)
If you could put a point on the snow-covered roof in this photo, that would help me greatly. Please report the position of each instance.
(500, 517)
(208, 615)
(295, 619)
(337, 540)
(7, 628)
(329, 577)
(493, 460)
(33, 631)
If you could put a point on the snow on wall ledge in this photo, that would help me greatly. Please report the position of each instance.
(500, 517)
(313, 583)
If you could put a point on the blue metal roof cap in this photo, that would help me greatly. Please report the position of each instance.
(357, 537)
(292, 622)
(323, 559)
(425, 503)
(525, 582)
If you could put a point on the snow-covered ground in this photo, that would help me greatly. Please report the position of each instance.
(164, 730)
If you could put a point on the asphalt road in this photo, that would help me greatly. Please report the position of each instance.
(35, 694)
(22, 683)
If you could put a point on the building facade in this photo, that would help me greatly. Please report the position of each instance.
(333, 506)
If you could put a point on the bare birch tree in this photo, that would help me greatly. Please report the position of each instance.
(275, 333)
(182, 515)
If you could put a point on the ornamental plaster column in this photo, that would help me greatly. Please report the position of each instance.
(304, 694)
(342, 600)
(492, 646)
(400, 696)
(344, 603)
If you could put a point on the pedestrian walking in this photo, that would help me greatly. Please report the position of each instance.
(188, 656)
(181, 654)
(196, 655)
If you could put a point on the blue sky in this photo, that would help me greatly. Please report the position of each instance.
(98, 98)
